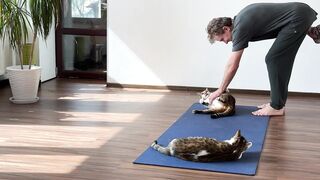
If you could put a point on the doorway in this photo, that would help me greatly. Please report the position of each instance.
(81, 39)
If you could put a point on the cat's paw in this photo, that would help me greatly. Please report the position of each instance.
(214, 116)
(154, 143)
(195, 111)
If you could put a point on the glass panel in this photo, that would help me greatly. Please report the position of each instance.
(85, 14)
(85, 9)
(84, 53)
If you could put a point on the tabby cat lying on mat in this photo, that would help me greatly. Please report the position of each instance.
(204, 149)
(224, 105)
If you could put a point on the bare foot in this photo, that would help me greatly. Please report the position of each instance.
(269, 111)
(263, 105)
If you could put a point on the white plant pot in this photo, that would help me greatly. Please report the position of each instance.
(24, 83)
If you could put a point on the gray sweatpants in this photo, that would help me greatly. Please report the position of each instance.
(280, 57)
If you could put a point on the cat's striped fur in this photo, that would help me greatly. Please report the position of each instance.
(204, 149)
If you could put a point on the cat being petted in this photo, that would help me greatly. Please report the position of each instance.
(204, 97)
(222, 106)
(205, 149)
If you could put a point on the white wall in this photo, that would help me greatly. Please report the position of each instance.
(164, 42)
(47, 56)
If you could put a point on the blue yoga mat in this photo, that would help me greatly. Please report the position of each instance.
(253, 128)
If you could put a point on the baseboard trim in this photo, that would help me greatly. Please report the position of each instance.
(197, 89)
(182, 88)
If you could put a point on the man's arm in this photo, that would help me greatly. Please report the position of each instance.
(229, 72)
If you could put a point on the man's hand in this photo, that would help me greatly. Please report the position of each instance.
(214, 95)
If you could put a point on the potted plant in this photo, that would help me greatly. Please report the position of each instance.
(17, 17)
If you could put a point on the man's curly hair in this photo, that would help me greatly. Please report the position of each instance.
(215, 27)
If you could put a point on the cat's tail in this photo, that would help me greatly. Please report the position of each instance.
(218, 115)
(228, 112)
(163, 150)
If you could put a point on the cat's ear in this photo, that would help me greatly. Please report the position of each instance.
(249, 144)
(238, 133)
(202, 92)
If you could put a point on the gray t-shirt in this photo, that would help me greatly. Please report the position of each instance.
(262, 21)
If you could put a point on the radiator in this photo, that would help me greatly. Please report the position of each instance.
(2, 61)
(5, 56)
